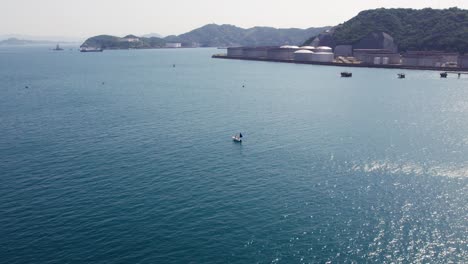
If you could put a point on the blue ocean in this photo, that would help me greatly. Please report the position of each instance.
(126, 157)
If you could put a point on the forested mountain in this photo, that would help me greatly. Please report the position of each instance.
(425, 29)
(127, 42)
(211, 35)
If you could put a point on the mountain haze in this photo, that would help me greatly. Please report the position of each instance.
(20, 42)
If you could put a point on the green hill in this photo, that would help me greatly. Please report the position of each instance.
(211, 35)
(425, 29)
(112, 42)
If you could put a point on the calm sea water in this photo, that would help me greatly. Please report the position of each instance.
(119, 157)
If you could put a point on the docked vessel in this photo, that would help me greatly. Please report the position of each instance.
(88, 49)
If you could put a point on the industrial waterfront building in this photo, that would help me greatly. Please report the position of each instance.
(346, 55)
(463, 61)
(430, 59)
(377, 49)
(377, 56)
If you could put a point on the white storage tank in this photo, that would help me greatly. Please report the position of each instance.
(303, 55)
(311, 48)
(323, 49)
(289, 47)
(377, 60)
(323, 57)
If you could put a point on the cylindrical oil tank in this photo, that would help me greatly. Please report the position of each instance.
(311, 48)
(289, 47)
(323, 56)
(323, 49)
(303, 55)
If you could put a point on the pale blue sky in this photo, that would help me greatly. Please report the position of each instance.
(85, 18)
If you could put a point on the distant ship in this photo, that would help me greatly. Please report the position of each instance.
(88, 49)
(57, 48)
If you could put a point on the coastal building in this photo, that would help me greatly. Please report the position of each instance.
(303, 55)
(377, 40)
(173, 45)
(463, 61)
(344, 51)
(430, 59)
(255, 52)
(131, 38)
(235, 51)
(377, 56)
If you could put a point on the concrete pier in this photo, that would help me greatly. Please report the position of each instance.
(360, 65)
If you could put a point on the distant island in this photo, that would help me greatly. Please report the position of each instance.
(18, 42)
(211, 35)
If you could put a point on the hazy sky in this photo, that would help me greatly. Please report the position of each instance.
(85, 18)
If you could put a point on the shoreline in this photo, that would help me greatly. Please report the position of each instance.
(380, 66)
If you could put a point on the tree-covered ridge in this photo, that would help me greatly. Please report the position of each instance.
(112, 42)
(425, 29)
(211, 35)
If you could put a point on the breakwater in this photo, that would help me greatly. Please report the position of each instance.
(357, 65)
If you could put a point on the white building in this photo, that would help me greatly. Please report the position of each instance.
(132, 39)
(377, 56)
(173, 45)
(429, 59)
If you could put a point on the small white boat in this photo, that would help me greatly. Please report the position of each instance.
(237, 137)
